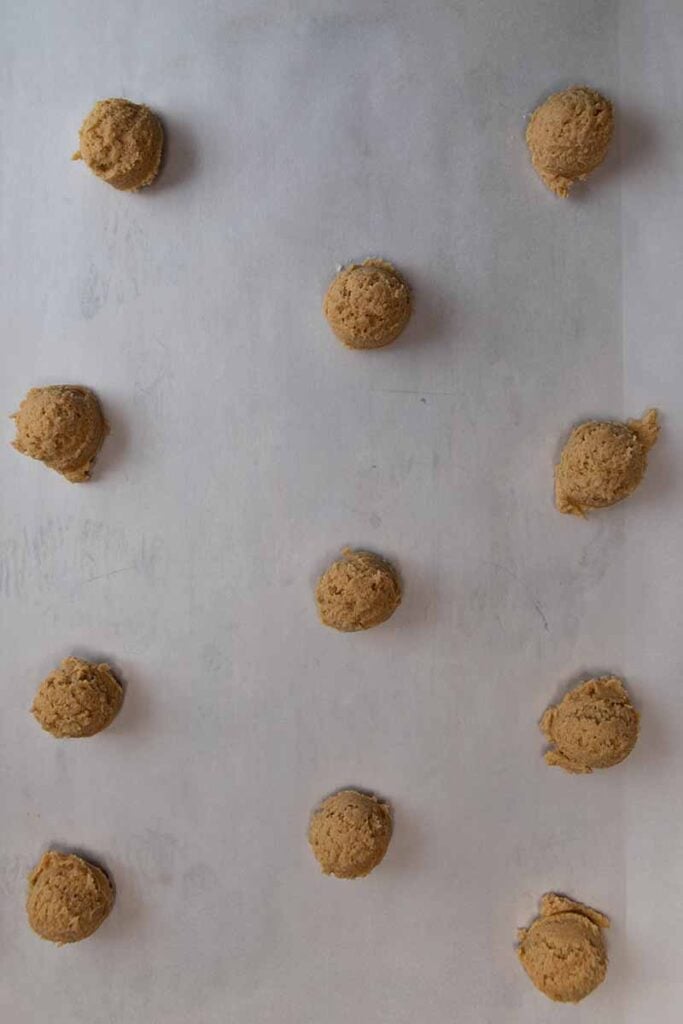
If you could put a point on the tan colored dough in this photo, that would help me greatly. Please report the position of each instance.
(349, 833)
(121, 142)
(61, 425)
(568, 136)
(603, 462)
(367, 305)
(563, 951)
(594, 726)
(359, 591)
(77, 699)
(68, 898)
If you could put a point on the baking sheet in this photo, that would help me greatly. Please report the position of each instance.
(247, 447)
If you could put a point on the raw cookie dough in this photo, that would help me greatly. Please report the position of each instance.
(349, 833)
(368, 304)
(77, 699)
(63, 426)
(594, 726)
(563, 950)
(603, 462)
(358, 591)
(68, 898)
(568, 136)
(121, 143)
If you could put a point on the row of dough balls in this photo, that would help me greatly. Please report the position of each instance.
(562, 951)
(602, 462)
(594, 726)
(568, 137)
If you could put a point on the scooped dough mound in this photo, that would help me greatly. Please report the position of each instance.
(568, 136)
(63, 426)
(121, 142)
(77, 699)
(349, 833)
(603, 462)
(358, 591)
(368, 304)
(68, 898)
(563, 950)
(594, 726)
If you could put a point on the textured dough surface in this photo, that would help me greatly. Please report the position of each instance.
(61, 425)
(603, 462)
(594, 726)
(68, 898)
(350, 833)
(78, 699)
(358, 591)
(121, 142)
(568, 136)
(367, 305)
(563, 950)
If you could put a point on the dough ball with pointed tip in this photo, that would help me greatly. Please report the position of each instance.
(603, 462)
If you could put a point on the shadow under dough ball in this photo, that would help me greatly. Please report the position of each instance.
(349, 833)
(563, 950)
(68, 898)
(568, 137)
(359, 591)
(61, 425)
(121, 142)
(77, 699)
(367, 305)
(603, 462)
(594, 726)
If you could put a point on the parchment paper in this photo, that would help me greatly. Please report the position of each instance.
(248, 446)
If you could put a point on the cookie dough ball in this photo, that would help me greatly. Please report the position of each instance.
(594, 726)
(349, 834)
(563, 951)
(367, 305)
(68, 898)
(603, 462)
(121, 142)
(568, 136)
(77, 699)
(358, 591)
(63, 426)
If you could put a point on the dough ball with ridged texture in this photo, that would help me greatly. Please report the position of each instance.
(61, 425)
(568, 136)
(603, 462)
(77, 699)
(594, 726)
(359, 591)
(563, 950)
(121, 142)
(367, 305)
(68, 898)
(350, 833)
